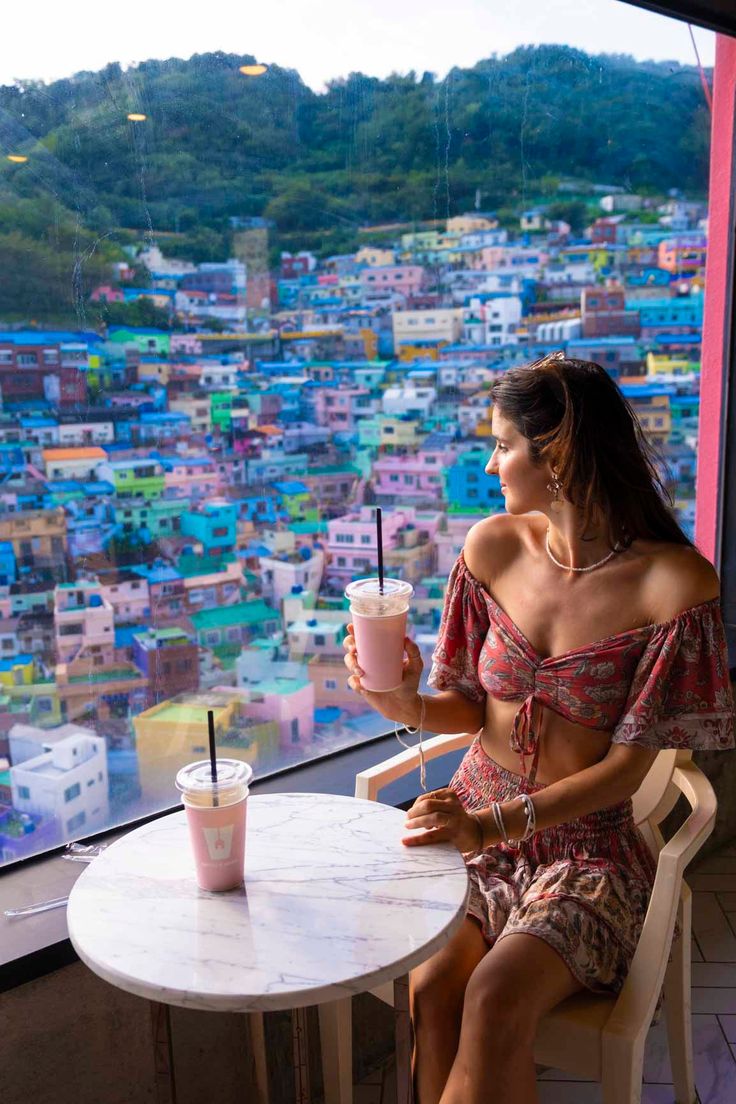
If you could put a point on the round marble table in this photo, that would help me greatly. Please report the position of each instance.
(333, 905)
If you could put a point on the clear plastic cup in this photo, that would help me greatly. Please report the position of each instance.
(216, 820)
(379, 624)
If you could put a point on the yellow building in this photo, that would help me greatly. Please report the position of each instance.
(17, 671)
(660, 364)
(409, 352)
(397, 433)
(175, 732)
(374, 257)
(157, 370)
(470, 224)
(197, 408)
(38, 537)
(655, 416)
(439, 324)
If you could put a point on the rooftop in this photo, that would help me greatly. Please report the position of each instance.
(87, 453)
(243, 613)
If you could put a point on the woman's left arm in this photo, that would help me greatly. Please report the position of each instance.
(615, 778)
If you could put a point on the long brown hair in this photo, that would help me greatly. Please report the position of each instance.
(576, 419)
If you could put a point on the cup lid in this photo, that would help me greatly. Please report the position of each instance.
(197, 777)
(370, 588)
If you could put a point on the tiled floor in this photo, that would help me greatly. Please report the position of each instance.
(713, 883)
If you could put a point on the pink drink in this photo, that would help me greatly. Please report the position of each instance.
(380, 645)
(216, 815)
(379, 621)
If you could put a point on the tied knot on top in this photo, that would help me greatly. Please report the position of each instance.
(525, 730)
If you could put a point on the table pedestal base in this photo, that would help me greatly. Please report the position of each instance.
(259, 1067)
(163, 1057)
(336, 1042)
(336, 1046)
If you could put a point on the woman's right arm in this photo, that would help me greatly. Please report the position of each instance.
(446, 711)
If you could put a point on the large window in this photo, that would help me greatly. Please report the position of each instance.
(242, 304)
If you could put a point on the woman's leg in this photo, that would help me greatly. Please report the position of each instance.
(519, 980)
(436, 991)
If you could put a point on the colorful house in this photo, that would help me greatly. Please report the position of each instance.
(469, 489)
(169, 659)
(18, 670)
(73, 463)
(144, 477)
(175, 732)
(213, 524)
(235, 625)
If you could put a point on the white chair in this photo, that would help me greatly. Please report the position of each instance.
(599, 1037)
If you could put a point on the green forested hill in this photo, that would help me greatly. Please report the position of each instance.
(217, 144)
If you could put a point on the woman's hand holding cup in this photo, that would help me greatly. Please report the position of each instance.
(402, 704)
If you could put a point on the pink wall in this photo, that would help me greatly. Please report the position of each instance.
(715, 335)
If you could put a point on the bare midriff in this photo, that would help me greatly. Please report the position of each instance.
(564, 748)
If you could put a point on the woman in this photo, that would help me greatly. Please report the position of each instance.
(581, 633)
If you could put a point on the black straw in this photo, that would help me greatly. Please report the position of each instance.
(379, 542)
(213, 755)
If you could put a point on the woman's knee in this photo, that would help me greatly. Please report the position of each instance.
(437, 987)
(498, 1010)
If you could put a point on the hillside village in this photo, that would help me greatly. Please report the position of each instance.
(181, 508)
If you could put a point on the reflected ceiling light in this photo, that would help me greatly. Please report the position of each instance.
(17, 158)
(253, 70)
(136, 117)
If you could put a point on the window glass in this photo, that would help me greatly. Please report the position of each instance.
(242, 304)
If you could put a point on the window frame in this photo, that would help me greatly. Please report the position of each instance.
(50, 953)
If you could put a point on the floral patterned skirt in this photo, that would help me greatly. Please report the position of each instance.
(583, 887)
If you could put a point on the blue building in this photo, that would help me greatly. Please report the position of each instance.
(467, 486)
(214, 524)
(8, 573)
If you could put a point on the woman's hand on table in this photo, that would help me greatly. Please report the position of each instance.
(445, 820)
(402, 704)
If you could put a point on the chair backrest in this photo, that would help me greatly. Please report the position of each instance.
(655, 797)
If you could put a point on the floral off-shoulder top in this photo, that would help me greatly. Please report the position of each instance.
(660, 686)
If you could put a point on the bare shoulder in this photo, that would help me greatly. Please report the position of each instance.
(678, 578)
(489, 546)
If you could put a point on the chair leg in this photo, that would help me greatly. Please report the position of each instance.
(257, 1038)
(300, 1052)
(403, 1042)
(623, 1063)
(336, 1044)
(677, 1005)
(163, 1053)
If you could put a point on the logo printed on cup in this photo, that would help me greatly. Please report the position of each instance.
(219, 841)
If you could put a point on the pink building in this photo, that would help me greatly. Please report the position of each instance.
(411, 478)
(128, 595)
(351, 540)
(186, 343)
(338, 410)
(105, 293)
(84, 622)
(408, 279)
(190, 476)
(273, 690)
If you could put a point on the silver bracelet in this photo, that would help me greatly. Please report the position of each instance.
(531, 819)
(498, 818)
(413, 732)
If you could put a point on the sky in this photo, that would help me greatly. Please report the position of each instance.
(324, 39)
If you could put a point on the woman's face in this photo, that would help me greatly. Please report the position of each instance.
(523, 484)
